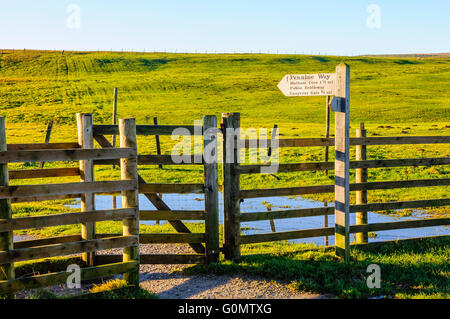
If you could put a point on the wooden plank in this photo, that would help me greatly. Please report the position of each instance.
(291, 213)
(66, 188)
(66, 219)
(361, 177)
(404, 224)
(44, 173)
(171, 238)
(51, 279)
(43, 198)
(157, 259)
(376, 140)
(170, 188)
(231, 186)
(157, 202)
(342, 163)
(46, 241)
(147, 129)
(396, 140)
(400, 162)
(64, 155)
(401, 205)
(297, 234)
(65, 249)
(211, 188)
(171, 215)
(287, 191)
(130, 198)
(42, 146)
(400, 184)
(153, 160)
(286, 168)
(6, 238)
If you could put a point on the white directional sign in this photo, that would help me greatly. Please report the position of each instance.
(308, 84)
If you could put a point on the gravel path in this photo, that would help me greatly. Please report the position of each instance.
(163, 281)
(169, 283)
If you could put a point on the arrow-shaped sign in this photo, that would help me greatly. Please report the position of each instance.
(308, 84)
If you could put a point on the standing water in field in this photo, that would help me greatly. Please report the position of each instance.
(196, 202)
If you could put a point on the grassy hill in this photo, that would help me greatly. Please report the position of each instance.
(178, 88)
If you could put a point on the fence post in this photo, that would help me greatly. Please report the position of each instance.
(231, 185)
(128, 171)
(361, 177)
(86, 140)
(211, 188)
(342, 162)
(6, 238)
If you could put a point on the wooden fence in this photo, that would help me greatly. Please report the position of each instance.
(86, 243)
(205, 245)
(233, 194)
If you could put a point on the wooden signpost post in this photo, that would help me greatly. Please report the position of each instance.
(336, 85)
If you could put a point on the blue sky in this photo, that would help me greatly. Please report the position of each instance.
(325, 27)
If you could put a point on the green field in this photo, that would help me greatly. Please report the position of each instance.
(394, 96)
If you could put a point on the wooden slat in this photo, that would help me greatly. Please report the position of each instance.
(396, 140)
(400, 162)
(65, 155)
(155, 259)
(66, 219)
(46, 241)
(376, 140)
(400, 184)
(297, 234)
(288, 191)
(66, 188)
(400, 205)
(43, 198)
(170, 188)
(171, 238)
(400, 225)
(42, 146)
(43, 173)
(171, 215)
(167, 160)
(65, 249)
(147, 129)
(151, 160)
(317, 166)
(291, 213)
(286, 168)
(89, 273)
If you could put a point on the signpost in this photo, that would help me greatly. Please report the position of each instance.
(308, 84)
(338, 85)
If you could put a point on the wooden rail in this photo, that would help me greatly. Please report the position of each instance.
(149, 129)
(381, 140)
(45, 172)
(65, 249)
(66, 219)
(58, 155)
(155, 160)
(399, 225)
(291, 213)
(297, 234)
(42, 146)
(66, 188)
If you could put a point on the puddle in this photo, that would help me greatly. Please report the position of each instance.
(196, 202)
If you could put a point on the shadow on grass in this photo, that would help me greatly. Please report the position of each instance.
(407, 270)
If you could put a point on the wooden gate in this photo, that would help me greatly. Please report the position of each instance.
(205, 245)
(86, 243)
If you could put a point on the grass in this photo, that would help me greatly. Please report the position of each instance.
(394, 96)
(408, 270)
